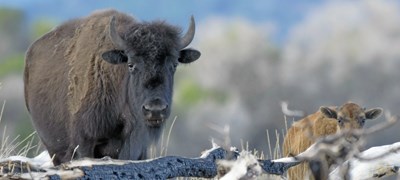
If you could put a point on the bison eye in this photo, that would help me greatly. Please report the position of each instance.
(131, 67)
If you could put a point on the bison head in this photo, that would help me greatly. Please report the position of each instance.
(351, 116)
(151, 53)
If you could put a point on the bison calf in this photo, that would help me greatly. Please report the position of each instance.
(326, 121)
(103, 84)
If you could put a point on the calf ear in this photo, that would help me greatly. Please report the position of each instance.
(328, 112)
(373, 113)
(188, 55)
(115, 57)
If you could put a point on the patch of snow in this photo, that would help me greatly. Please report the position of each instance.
(43, 160)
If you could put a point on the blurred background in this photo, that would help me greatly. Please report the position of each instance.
(255, 54)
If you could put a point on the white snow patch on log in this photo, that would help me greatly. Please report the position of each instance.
(246, 167)
(42, 160)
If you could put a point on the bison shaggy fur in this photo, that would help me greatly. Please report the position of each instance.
(101, 85)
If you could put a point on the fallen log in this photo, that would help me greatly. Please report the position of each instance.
(160, 168)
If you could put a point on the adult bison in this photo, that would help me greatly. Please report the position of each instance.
(102, 85)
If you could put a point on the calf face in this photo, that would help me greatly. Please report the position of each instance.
(351, 115)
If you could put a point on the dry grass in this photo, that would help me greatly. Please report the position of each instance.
(161, 149)
(274, 150)
(16, 146)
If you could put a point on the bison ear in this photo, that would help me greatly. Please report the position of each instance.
(328, 112)
(188, 55)
(373, 113)
(115, 57)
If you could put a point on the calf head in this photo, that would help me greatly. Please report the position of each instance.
(350, 115)
(151, 53)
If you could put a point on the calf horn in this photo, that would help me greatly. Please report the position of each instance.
(188, 37)
(115, 38)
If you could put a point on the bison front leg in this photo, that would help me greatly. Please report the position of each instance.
(85, 148)
(80, 148)
(109, 147)
(82, 142)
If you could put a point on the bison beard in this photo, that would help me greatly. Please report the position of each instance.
(103, 84)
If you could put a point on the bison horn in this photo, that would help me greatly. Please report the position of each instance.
(188, 37)
(115, 38)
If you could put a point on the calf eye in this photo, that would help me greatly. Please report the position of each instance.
(340, 120)
(362, 121)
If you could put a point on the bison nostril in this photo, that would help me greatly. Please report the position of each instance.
(146, 107)
(163, 107)
(157, 107)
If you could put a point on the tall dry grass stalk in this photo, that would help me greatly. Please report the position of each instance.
(161, 149)
(12, 147)
(274, 151)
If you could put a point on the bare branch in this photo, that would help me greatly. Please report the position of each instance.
(286, 111)
(159, 168)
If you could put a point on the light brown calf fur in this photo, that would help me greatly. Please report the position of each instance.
(328, 120)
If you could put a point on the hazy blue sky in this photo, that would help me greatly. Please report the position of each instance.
(282, 14)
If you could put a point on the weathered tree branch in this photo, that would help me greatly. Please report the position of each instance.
(375, 162)
(159, 168)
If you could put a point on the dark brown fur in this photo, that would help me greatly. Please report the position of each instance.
(75, 97)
